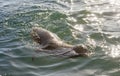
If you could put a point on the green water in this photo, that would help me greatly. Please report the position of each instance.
(90, 22)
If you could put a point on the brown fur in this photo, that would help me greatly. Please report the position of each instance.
(50, 41)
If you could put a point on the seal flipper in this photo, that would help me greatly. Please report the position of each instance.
(81, 50)
(50, 46)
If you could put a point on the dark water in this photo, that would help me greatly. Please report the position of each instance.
(92, 22)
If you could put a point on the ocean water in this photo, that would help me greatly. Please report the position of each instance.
(90, 22)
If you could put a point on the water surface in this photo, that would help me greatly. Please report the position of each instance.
(89, 22)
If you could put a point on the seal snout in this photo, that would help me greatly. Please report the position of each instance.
(34, 34)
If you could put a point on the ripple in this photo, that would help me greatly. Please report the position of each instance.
(90, 22)
(114, 51)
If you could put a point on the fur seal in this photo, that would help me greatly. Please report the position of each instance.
(51, 43)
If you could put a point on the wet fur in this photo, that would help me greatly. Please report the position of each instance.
(50, 41)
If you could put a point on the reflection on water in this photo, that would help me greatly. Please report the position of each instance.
(114, 51)
(93, 23)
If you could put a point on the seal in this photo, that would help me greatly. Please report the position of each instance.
(51, 43)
